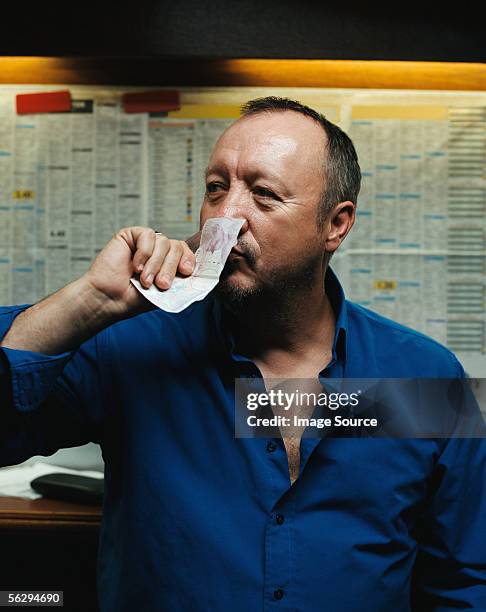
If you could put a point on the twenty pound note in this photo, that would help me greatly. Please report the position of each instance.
(218, 237)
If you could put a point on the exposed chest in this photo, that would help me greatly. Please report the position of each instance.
(303, 376)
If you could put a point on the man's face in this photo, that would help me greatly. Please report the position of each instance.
(268, 169)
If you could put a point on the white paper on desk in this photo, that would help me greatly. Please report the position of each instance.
(15, 481)
(218, 237)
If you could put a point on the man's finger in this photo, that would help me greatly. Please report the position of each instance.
(155, 261)
(144, 245)
(169, 267)
(187, 261)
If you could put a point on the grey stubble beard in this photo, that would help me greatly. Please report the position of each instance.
(280, 295)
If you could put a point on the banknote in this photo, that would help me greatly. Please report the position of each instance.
(219, 235)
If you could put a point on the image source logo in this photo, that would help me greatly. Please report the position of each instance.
(393, 408)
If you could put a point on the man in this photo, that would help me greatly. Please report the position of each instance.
(194, 518)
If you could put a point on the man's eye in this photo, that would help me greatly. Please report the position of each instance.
(213, 187)
(266, 193)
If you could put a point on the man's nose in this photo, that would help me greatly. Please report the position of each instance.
(236, 215)
(235, 207)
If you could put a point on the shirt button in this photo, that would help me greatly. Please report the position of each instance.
(271, 447)
(278, 594)
(280, 519)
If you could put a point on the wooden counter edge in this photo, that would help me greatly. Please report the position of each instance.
(43, 513)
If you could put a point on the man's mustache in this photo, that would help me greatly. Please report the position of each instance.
(245, 250)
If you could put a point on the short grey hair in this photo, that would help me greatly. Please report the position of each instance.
(341, 171)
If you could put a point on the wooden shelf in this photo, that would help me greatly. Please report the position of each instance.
(244, 72)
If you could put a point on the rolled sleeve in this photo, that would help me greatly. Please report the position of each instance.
(48, 402)
(31, 375)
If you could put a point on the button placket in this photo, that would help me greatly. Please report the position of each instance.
(278, 558)
(278, 552)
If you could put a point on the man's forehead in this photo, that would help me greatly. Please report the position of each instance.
(284, 133)
(266, 126)
(241, 141)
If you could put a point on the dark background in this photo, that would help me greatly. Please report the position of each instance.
(251, 28)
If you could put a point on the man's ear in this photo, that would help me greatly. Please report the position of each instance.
(338, 224)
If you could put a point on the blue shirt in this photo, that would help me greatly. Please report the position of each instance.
(196, 519)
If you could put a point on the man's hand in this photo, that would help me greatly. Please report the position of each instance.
(104, 295)
(138, 250)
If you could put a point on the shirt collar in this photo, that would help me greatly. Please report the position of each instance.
(337, 299)
(336, 296)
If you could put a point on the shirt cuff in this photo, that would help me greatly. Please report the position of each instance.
(32, 374)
